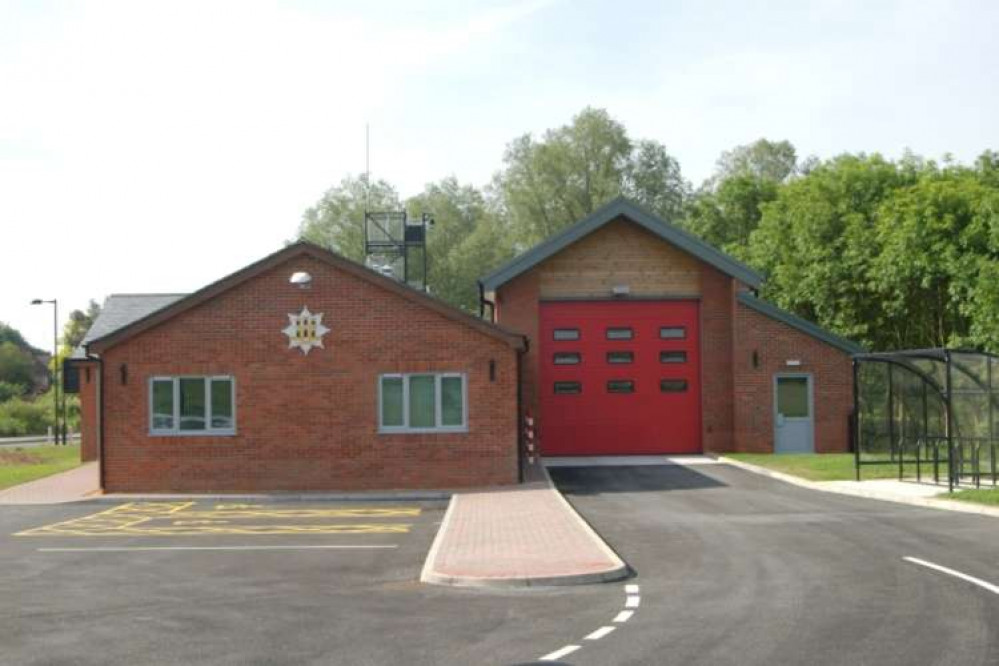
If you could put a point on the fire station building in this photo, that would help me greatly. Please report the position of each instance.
(302, 372)
(646, 340)
(306, 371)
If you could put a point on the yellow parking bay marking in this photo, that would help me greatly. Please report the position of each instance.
(178, 519)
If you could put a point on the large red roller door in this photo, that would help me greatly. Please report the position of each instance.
(620, 378)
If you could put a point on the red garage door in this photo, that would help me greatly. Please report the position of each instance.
(620, 378)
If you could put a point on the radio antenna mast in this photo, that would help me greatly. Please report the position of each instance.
(367, 166)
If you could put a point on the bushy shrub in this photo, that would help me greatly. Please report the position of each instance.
(22, 417)
(10, 390)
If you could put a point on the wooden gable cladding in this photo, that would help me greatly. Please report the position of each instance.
(619, 253)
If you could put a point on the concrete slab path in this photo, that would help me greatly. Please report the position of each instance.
(523, 536)
(73, 485)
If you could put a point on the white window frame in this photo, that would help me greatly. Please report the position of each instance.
(175, 431)
(405, 428)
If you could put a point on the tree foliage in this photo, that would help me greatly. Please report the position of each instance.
(572, 170)
(77, 326)
(894, 254)
(17, 366)
(336, 221)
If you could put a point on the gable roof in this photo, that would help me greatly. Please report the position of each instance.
(803, 325)
(621, 207)
(134, 313)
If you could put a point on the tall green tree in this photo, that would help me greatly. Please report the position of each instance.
(336, 221)
(467, 240)
(572, 170)
(728, 206)
(894, 254)
(17, 367)
(77, 326)
(774, 161)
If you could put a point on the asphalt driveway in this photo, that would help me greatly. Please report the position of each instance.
(739, 569)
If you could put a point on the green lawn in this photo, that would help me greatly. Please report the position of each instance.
(22, 464)
(816, 466)
(982, 496)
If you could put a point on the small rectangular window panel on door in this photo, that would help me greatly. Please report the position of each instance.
(673, 385)
(620, 357)
(792, 397)
(621, 386)
(567, 358)
(672, 357)
(563, 334)
(672, 332)
(568, 388)
(620, 333)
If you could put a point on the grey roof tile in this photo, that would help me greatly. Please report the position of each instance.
(120, 310)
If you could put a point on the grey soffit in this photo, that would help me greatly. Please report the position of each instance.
(622, 207)
(803, 325)
(120, 310)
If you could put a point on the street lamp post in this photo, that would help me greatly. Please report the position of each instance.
(59, 432)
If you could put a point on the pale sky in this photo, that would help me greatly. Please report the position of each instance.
(158, 146)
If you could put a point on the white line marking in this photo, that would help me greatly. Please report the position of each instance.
(631, 589)
(624, 616)
(558, 654)
(175, 548)
(994, 589)
(599, 633)
(632, 602)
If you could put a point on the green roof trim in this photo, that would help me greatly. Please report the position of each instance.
(621, 207)
(803, 325)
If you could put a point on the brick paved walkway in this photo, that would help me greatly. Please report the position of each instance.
(69, 486)
(521, 536)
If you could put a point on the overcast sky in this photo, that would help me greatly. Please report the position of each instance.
(157, 146)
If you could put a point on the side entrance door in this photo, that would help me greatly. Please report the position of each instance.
(793, 421)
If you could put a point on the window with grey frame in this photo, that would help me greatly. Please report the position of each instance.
(422, 402)
(192, 405)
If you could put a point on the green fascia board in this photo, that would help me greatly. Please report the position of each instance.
(621, 207)
(803, 325)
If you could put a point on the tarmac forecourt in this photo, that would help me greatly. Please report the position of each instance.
(153, 519)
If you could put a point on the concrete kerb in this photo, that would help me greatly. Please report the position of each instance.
(925, 502)
(618, 571)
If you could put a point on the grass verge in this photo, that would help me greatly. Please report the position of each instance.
(23, 464)
(816, 466)
(988, 496)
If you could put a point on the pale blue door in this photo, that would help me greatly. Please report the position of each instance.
(793, 420)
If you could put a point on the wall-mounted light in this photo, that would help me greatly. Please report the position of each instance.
(301, 279)
(620, 290)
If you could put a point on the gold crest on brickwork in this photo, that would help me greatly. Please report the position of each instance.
(305, 330)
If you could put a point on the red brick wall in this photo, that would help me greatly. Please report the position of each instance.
(716, 359)
(309, 422)
(89, 388)
(517, 310)
(775, 343)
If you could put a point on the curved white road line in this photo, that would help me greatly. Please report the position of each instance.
(994, 589)
(632, 600)
(558, 654)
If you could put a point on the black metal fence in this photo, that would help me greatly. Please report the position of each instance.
(931, 413)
